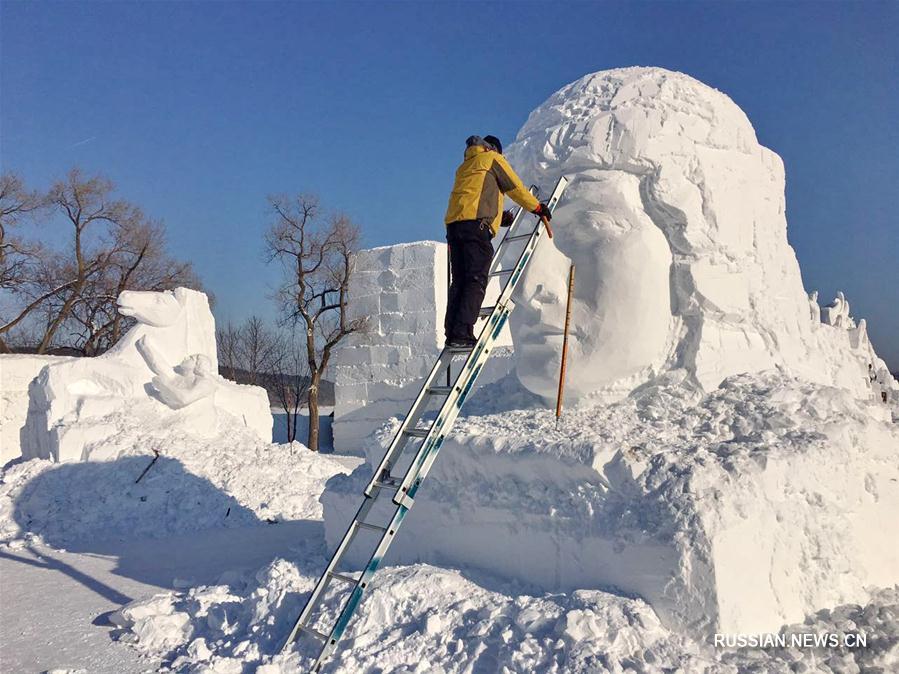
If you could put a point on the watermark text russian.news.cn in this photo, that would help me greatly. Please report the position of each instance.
(794, 640)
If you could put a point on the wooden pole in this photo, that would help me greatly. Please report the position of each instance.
(564, 345)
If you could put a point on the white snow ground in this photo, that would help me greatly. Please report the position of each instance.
(104, 575)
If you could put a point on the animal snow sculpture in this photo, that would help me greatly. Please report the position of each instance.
(836, 313)
(79, 402)
(675, 218)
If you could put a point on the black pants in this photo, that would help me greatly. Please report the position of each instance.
(470, 255)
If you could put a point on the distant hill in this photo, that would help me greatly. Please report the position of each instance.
(268, 381)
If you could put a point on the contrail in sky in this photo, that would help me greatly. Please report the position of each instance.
(82, 142)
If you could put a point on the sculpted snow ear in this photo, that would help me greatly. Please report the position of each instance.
(152, 308)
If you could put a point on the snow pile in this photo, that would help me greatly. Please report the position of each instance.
(416, 619)
(675, 219)
(231, 479)
(166, 366)
(425, 619)
(738, 510)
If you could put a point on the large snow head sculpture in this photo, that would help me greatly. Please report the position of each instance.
(675, 222)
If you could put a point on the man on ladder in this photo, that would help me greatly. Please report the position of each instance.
(472, 219)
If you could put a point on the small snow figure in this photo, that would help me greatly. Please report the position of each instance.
(872, 375)
(814, 309)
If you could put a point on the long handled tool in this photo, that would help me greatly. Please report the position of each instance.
(564, 346)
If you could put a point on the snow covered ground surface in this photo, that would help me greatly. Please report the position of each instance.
(203, 564)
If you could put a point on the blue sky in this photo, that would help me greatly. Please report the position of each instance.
(198, 110)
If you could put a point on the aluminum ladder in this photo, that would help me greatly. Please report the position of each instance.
(431, 435)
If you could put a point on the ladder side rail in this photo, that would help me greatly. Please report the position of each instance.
(325, 579)
(494, 263)
(411, 418)
(451, 406)
(427, 452)
(530, 246)
(349, 606)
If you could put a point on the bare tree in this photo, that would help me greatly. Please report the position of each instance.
(88, 206)
(316, 257)
(227, 340)
(289, 382)
(68, 293)
(18, 257)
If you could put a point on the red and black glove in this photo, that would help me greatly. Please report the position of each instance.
(543, 212)
(508, 217)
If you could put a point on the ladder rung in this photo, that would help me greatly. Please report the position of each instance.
(373, 527)
(486, 311)
(387, 485)
(417, 432)
(440, 390)
(518, 236)
(318, 635)
(342, 576)
(501, 272)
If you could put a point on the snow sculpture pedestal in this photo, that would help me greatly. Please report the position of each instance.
(743, 511)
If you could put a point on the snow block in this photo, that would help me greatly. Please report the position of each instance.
(401, 291)
(742, 511)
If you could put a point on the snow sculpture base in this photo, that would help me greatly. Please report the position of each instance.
(164, 367)
(768, 500)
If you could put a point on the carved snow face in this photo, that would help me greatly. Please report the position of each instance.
(621, 307)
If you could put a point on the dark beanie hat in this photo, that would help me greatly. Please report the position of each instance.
(494, 141)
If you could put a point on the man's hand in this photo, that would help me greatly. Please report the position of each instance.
(508, 217)
(543, 213)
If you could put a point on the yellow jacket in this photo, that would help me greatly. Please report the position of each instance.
(481, 181)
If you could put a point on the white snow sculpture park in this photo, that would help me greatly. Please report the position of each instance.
(163, 373)
(727, 455)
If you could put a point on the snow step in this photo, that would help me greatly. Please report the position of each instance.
(405, 489)
(342, 576)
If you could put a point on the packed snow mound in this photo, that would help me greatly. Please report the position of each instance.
(231, 479)
(425, 619)
(166, 365)
(17, 371)
(675, 220)
(738, 510)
